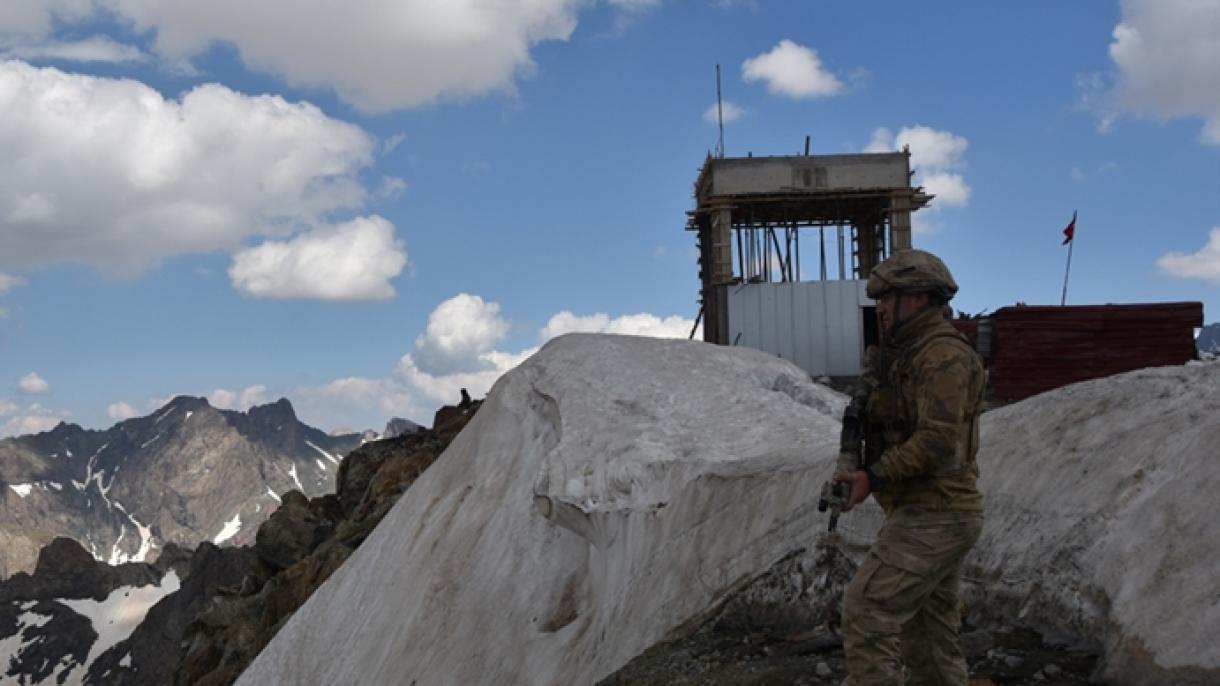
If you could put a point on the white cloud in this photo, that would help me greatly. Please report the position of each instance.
(242, 400)
(731, 112)
(33, 384)
(375, 54)
(94, 49)
(1204, 264)
(936, 157)
(8, 282)
(351, 261)
(458, 350)
(120, 410)
(643, 324)
(459, 330)
(792, 70)
(1168, 58)
(16, 420)
(110, 173)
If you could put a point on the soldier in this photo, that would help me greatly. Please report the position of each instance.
(922, 434)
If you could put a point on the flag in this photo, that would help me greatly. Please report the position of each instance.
(1070, 232)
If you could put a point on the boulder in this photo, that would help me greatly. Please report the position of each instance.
(1100, 520)
(609, 491)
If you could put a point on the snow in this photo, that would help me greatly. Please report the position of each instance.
(292, 471)
(321, 464)
(230, 530)
(126, 661)
(612, 489)
(117, 616)
(146, 539)
(332, 458)
(273, 494)
(587, 511)
(188, 415)
(13, 645)
(22, 490)
(145, 444)
(1100, 500)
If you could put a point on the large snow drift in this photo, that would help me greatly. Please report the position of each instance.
(1102, 519)
(610, 489)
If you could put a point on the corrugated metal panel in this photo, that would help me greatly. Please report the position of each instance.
(815, 324)
(1044, 347)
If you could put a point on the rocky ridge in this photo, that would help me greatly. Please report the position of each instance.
(184, 474)
(229, 601)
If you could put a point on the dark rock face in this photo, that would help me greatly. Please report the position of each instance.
(184, 474)
(298, 548)
(51, 639)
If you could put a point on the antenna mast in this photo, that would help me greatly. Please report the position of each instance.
(719, 111)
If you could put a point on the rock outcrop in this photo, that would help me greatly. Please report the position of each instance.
(60, 622)
(297, 549)
(610, 490)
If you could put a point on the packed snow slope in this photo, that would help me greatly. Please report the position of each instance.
(610, 489)
(1101, 519)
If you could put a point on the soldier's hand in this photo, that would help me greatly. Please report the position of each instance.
(859, 488)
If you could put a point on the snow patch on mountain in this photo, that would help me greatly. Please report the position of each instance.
(231, 528)
(115, 617)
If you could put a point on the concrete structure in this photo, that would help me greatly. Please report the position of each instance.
(751, 216)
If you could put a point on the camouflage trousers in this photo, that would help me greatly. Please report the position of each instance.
(902, 607)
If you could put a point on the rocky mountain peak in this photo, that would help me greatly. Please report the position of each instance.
(63, 556)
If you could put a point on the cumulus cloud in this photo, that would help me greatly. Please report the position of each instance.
(351, 261)
(110, 173)
(33, 384)
(792, 70)
(936, 158)
(731, 111)
(120, 410)
(242, 400)
(643, 324)
(459, 349)
(1204, 264)
(459, 330)
(19, 420)
(1168, 58)
(374, 54)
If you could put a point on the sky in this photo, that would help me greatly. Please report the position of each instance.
(365, 206)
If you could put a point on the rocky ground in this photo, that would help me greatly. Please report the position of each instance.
(1010, 656)
(780, 630)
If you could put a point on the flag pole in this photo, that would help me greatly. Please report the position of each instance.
(1063, 299)
(1070, 232)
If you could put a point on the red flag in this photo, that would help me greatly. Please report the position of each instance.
(1070, 232)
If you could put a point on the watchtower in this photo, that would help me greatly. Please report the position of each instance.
(752, 216)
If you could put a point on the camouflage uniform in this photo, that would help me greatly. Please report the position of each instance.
(921, 439)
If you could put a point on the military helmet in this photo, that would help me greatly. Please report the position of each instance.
(912, 271)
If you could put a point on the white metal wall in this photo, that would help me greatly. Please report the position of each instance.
(815, 324)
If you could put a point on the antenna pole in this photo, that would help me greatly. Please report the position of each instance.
(719, 110)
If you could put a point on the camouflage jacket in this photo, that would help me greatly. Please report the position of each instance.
(922, 417)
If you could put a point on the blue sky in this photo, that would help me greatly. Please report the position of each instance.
(368, 207)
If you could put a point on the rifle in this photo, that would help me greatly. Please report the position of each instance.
(851, 452)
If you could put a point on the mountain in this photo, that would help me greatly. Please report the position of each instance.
(1209, 339)
(196, 618)
(398, 426)
(186, 473)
